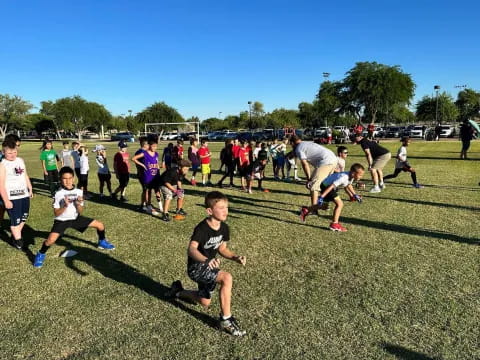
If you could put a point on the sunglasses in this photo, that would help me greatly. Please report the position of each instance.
(345, 152)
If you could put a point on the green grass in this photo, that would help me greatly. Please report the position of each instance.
(402, 283)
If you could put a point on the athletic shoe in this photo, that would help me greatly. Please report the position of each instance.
(250, 191)
(303, 213)
(265, 190)
(144, 208)
(375, 189)
(337, 227)
(418, 186)
(151, 210)
(165, 217)
(193, 182)
(181, 212)
(39, 260)
(18, 243)
(231, 326)
(298, 179)
(105, 245)
(175, 288)
(178, 217)
(382, 186)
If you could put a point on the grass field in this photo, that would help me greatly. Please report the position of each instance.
(402, 283)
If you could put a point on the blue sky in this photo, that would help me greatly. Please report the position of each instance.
(207, 57)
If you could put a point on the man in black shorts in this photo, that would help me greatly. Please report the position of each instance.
(67, 206)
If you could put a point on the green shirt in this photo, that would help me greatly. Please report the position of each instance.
(50, 158)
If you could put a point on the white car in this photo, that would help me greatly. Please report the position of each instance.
(447, 131)
(417, 132)
(169, 136)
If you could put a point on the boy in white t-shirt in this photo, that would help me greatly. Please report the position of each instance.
(342, 153)
(403, 165)
(15, 190)
(68, 206)
(328, 192)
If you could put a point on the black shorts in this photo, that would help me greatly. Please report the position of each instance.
(465, 145)
(80, 224)
(83, 181)
(243, 171)
(405, 166)
(104, 177)
(230, 169)
(154, 184)
(204, 277)
(19, 212)
(331, 195)
(123, 180)
(52, 176)
(77, 172)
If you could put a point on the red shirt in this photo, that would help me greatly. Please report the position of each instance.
(121, 162)
(202, 152)
(235, 150)
(178, 152)
(243, 156)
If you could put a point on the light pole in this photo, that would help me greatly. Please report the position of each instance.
(219, 115)
(436, 88)
(250, 113)
(326, 75)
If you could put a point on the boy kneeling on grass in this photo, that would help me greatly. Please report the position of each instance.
(328, 193)
(68, 206)
(209, 238)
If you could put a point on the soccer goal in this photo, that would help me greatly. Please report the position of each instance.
(171, 130)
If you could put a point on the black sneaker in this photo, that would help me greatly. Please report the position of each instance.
(181, 212)
(231, 327)
(166, 217)
(175, 288)
(18, 243)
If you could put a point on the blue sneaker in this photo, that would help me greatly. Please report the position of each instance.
(39, 260)
(104, 244)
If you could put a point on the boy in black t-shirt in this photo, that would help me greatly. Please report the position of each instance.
(256, 171)
(209, 238)
(170, 183)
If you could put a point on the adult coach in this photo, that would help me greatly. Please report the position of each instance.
(377, 157)
(323, 160)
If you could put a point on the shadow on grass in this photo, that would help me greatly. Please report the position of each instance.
(405, 354)
(410, 230)
(430, 203)
(452, 187)
(39, 187)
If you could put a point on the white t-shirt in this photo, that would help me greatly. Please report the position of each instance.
(15, 179)
(255, 153)
(340, 164)
(71, 212)
(67, 158)
(401, 157)
(102, 164)
(84, 166)
(340, 179)
(315, 154)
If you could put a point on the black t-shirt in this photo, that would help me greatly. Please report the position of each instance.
(228, 158)
(170, 176)
(375, 149)
(209, 239)
(140, 169)
(255, 167)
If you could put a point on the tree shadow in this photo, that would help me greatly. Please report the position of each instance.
(405, 354)
(452, 187)
(430, 203)
(410, 230)
(39, 187)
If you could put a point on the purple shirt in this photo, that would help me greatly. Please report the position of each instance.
(151, 163)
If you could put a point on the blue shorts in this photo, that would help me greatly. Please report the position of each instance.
(19, 212)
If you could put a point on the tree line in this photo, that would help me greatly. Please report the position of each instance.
(369, 92)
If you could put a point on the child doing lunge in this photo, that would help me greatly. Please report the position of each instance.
(15, 190)
(68, 206)
(328, 193)
(403, 165)
(209, 238)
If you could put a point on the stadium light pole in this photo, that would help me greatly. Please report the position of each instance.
(437, 89)
(219, 115)
(250, 113)
(326, 75)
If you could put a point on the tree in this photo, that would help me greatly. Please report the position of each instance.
(427, 108)
(328, 105)
(468, 104)
(371, 88)
(306, 114)
(158, 112)
(12, 112)
(280, 118)
(41, 123)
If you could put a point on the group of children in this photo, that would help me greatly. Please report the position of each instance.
(209, 237)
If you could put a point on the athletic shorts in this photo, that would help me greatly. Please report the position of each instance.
(331, 195)
(380, 161)
(52, 176)
(104, 177)
(19, 212)
(123, 180)
(319, 174)
(154, 184)
(465, 145)
(80, 224)
(204, 277)
(205, 169)
(83, 181)
(169, 194)
(404, 165)
(195, 167)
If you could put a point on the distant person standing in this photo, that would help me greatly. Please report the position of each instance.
(466, 135)
(322, 159)
(371, 131)
(438, 131)
(121, 166)
(49, 159)
(377, 157)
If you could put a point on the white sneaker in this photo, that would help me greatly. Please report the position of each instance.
(149, 209)
(250, 191)
(382, 186)
(375, 189)
(144, 208)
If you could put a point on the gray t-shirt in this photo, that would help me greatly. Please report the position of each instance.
(67, 158)
(315, 154)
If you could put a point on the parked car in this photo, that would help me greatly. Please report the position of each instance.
(417, 131)
(448, 131)
(169, 136)
(378, 132)
(127, 136)
(393, 132)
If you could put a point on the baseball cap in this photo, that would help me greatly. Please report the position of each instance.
(99, 148)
